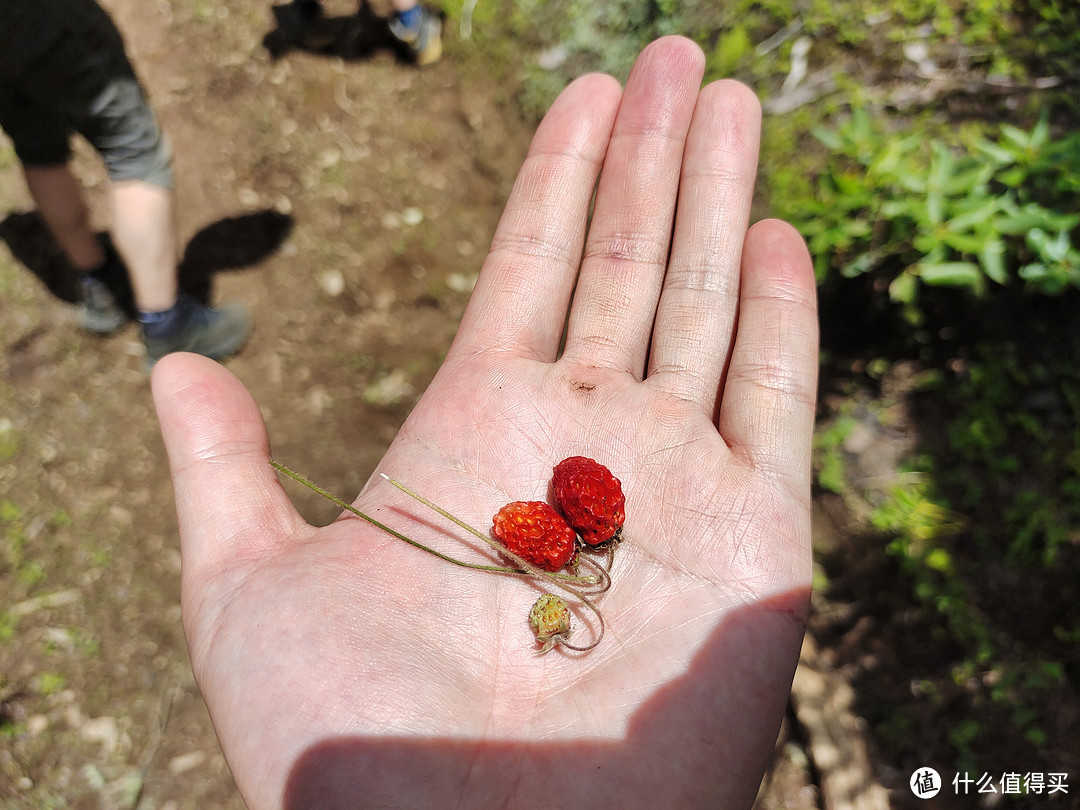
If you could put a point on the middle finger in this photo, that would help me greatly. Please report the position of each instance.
(626, 251)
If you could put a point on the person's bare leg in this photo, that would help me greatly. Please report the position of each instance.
(144, 233)
(59, 199)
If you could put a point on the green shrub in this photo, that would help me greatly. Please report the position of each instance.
(918, 211)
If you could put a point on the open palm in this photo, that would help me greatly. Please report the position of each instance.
(344, 668)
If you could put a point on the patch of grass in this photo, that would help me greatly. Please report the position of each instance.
(829, 461)
(50, 683)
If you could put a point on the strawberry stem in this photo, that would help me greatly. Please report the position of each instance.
(499, 569)
(528, 567)
(496, 569)
(559, 580)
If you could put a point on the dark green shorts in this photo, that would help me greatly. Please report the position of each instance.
(84, 83)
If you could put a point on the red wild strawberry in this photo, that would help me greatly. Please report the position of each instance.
(537, 533)
(591, 498)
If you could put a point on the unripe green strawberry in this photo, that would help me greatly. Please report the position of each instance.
(537, 533)
(550, 618)
(591, 499)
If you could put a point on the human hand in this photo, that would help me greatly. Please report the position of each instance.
(343, 668)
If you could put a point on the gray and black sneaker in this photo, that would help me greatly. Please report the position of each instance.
(192, 327)
(98, 311)
(424, 40)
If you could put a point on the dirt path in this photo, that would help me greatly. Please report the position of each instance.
(349, 203)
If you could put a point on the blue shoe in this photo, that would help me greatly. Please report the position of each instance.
(423, 40)
(192, 327)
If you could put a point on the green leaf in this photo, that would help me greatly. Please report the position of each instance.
(862, 264)
(895, 209)
(935, 206)
(998, 154)
(828, 138)
(992, 257)
(969, 181)
(1016, 136)
(1039, 134)
(963, 243)
(903, 288)
(938, 559)
(1021, 219)
(979, 215)
(952, 274)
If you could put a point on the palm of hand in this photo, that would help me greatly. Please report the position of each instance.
(340, 664)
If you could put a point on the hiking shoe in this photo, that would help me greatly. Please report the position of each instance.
(424, 42)
(99, 312)
(213, 333)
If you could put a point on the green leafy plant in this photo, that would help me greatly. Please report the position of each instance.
(922, 212)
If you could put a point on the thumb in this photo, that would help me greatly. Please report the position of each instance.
(229, 503)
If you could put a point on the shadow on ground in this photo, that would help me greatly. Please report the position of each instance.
(352, 37)
(232, 243)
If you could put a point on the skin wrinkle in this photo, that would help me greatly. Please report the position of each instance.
(766, 369)
(706, 517)
(726, 197)
(680, 381)
(518, 247)
(550, 171)
(707, 276)
(626, 248)
(522, 334)
(744, 557)
(580, 133)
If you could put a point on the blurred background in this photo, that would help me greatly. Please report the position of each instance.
(929, 152)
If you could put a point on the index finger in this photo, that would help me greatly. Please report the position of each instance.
(523, 292)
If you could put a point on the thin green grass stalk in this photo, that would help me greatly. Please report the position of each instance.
(498, 569)
(495, 569)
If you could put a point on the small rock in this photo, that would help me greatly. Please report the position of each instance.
(186, 762)
(553, 58)
(332, 282)
(37, 724)
(329, 157)
(859, 439)
(412, 216)
(318, 400)
(102, 730)
(390, 389)
(461, 282)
